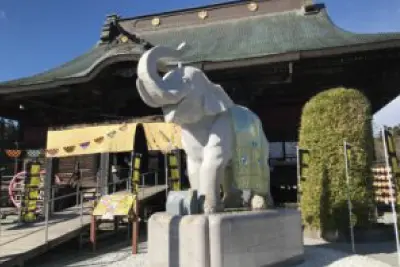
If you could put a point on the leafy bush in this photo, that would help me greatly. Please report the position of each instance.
(327, 120)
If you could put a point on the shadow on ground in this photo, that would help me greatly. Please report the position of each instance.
(109, 251)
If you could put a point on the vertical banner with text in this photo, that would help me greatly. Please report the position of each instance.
(303, 161)
(31, 194)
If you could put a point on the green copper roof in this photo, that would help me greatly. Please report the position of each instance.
(81, 66)
(249, 37)
(261, 36)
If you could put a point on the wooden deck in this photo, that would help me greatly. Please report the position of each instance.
(19, 243)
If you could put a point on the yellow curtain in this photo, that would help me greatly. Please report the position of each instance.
(162, 136)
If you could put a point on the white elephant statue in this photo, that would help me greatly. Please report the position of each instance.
(224, 143)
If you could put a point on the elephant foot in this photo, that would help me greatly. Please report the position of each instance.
(258, 203)
(212, 208)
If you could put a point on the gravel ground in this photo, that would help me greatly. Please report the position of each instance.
(317, 254)
(117, 256)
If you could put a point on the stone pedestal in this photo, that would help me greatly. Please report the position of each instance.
(177, 241)
(241, 239)
(255, 239)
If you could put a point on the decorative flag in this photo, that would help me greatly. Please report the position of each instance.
(123, 127)
(111, 134)
(52, 151)
(34, 153)
(99, 140)
(13, 153)
(84, 145)
(69, 149)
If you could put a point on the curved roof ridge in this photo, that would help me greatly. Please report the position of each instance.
(222, 22)
(345, 31)
(301, 34)
(82, 65)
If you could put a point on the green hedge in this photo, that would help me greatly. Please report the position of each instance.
(327, 120)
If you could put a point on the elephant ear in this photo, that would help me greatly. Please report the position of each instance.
(216, 100)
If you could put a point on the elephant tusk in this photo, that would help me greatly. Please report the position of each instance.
(182, 46)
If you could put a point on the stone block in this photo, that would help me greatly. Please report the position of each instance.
(256, 238)
(182, 202)
(178, 241)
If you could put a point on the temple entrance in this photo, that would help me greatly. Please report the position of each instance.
(283, 172)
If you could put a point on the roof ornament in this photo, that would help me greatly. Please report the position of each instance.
(313, 8)
(113, 32)
(181, 48)
(109, 32)
(252, 6)
(202, 14)
(156, 21)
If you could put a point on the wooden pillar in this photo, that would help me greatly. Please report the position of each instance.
(104, 173)
(93, 232)
(135, 227)
(50, 167)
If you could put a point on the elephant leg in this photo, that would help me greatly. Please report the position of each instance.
(216, 155)
(193, 167)
(232, 197)
(211, 177)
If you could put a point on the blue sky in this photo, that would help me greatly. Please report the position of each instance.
(38, 35)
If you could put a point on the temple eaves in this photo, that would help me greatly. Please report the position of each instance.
(233, 34)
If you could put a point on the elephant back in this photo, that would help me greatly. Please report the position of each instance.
(250, 158)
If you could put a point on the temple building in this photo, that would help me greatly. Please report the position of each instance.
(270, 55)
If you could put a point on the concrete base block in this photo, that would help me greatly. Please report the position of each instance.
(240, 239)
(178, 241)
(255, 239)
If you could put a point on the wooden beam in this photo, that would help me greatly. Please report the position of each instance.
(26, 94)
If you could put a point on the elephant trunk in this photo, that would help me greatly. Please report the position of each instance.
(157, 90)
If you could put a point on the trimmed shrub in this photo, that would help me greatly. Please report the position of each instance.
(327, 120)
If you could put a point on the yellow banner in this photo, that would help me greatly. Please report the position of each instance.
(31, 193)
(162, 136)
(91, 140)
(110, 138)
